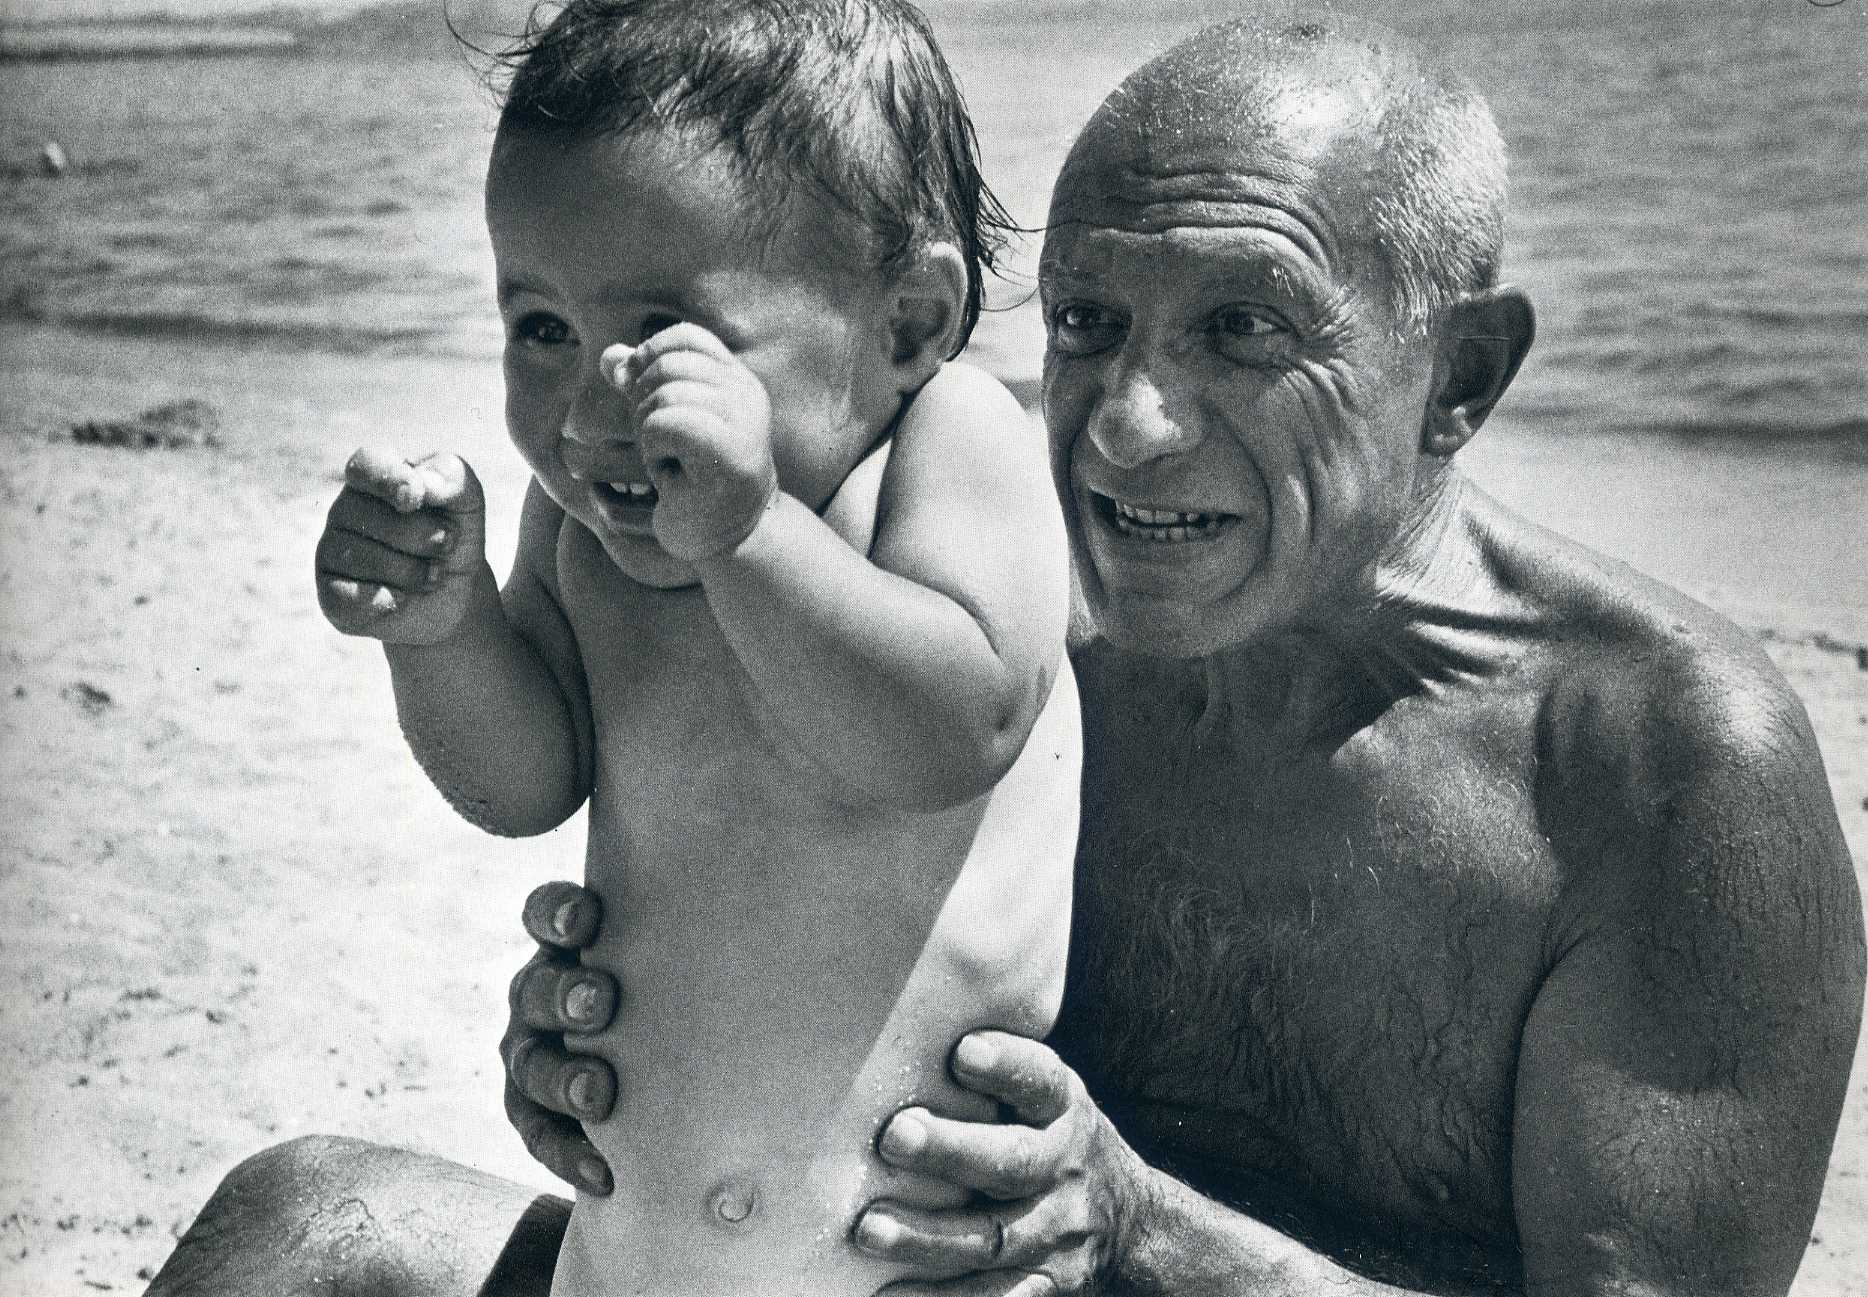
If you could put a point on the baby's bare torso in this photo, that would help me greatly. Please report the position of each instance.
(794, 966)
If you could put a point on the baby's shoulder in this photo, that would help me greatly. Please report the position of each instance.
(959, 399)
(964, 432)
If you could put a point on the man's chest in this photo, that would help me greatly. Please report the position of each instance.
(1305, 979)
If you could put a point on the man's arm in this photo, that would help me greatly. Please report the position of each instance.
(1685, 1061)
(1064, 1205)
(913, 674)
(1680, 1077)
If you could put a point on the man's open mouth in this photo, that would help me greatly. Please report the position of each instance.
(1164, 526)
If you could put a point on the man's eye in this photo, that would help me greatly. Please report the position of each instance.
(1081, 329)
(1247, 322)
(540, 329)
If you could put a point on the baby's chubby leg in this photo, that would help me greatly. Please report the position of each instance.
(324, 1215)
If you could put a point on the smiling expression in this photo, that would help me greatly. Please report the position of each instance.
(605, 240)
(1235, 420)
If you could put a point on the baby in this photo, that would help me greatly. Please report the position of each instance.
(788, 609)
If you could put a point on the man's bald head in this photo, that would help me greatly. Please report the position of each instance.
(1293, 99)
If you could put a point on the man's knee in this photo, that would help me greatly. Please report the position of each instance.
(345, 1218)
(295, 1218)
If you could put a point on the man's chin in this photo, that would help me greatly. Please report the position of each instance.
(1157, 627)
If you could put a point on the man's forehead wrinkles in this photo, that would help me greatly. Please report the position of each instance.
(1180, 226)
(1150, 202)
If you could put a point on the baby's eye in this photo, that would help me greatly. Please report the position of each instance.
(654, 324)
(540, 329)
(1082, 328)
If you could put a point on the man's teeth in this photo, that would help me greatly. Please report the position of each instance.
(1163, 524)
(632, 490)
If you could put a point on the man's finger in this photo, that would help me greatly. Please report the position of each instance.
(941, 1243)
(1016, 1070)
(551, 995)
(1003, 1162)
(563, 915)
(575, 1085)
(990, 1283)
(558, 1144)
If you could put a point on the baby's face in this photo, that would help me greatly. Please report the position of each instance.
(600, 241)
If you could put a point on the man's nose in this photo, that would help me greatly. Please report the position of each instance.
(1134, 421)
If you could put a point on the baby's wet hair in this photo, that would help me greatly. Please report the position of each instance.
(851, 98)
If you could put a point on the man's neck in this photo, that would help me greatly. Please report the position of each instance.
(1430, 612)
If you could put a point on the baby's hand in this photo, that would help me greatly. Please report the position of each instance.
(402, 547)
(705, 425)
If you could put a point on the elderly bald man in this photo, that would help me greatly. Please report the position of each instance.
(1457, 910)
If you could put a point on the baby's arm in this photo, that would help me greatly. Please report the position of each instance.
(913, 674)
(488, 684)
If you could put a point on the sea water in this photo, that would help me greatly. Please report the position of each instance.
(1689, 208)
(1689, 212)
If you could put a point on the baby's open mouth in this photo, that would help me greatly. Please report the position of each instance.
(624, 493)
(1163, 525)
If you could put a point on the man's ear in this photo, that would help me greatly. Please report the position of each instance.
(1482, 342)
(928, 312)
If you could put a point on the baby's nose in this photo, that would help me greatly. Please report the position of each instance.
(599, 414)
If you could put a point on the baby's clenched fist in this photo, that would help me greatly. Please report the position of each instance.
(403, 548)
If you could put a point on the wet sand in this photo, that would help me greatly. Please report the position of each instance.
(235, 910)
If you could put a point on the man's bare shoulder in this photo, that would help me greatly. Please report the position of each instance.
(1645, 687)
(1672, 754)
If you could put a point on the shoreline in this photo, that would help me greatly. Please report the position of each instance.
(241, 914)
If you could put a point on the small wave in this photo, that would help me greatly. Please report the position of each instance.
(15, 169)
(1846, 436)
(206, 328)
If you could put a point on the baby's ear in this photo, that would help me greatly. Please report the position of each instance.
(929, 312)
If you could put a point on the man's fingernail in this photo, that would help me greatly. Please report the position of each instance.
(562, 918)
(877, 1232)
(975, 1055)
(580, 1003)
(594, 1174)
(582, 1093)
(905, 1137)
(441, 538)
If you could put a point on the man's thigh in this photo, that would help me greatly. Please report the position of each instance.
(339, 1216)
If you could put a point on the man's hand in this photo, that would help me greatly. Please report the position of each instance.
(705, 425)
(548, 1089)
(1059, 1183)
(403, 547)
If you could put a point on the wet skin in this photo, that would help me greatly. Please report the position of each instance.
(1455, 909)
(1460, 904)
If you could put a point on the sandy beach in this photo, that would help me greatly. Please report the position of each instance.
(238, 913)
